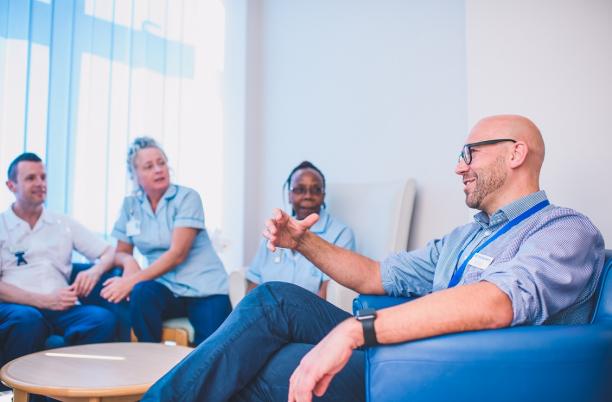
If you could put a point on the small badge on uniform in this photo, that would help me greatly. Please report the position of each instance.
(133, 227)
(20, 258)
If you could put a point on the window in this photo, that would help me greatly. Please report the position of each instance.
(79, 80)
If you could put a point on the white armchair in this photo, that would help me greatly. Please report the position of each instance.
(379, 214)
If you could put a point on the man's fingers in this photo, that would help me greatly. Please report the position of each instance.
(271, 246)
(323, 384)
(271, 227)
(301, 384)
(87, 289)
(310, 220)
(277, 214)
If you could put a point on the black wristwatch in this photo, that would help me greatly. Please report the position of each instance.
(367, 316)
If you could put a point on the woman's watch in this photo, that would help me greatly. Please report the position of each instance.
(367, 316)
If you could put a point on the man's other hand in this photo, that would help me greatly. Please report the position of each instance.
(86, 280)
(319, 366)
(61, 299)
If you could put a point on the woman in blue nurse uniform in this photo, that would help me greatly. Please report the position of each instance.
(165, 222)
(306, 191)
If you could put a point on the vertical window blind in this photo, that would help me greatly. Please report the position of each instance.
(80, 79)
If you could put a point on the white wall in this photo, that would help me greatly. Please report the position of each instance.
(551, 60)
(372, 90)
(365, 92)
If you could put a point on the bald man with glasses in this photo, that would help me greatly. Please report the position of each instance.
(523, 261)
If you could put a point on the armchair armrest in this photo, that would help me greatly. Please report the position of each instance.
(378, 302)
(534, 363)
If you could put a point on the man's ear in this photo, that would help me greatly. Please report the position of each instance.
(11, 186)
(518, 154)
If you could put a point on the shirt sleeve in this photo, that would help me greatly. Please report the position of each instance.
(411, 273)
(85, 241)
(253, 274)
(553, 269)
(119, 229)
(190, 212)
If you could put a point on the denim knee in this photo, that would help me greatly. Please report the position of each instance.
(100, 326)
(143, 292)
(284, 290)
(30, 318)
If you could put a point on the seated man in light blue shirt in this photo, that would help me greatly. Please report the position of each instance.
(306, 191)
(523, 262)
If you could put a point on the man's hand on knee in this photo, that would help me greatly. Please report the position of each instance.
(319, 366)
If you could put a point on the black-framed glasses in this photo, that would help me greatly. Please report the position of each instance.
(301, 190)
(466, 152)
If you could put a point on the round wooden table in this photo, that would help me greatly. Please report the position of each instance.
(118, 372)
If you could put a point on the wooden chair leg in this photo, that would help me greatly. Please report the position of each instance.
(177, 335)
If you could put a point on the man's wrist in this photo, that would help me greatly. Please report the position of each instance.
(41, 301)
(301, 244)
(354, 332)
(96, 269)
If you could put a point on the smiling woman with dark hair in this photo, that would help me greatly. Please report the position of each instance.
(305, 188)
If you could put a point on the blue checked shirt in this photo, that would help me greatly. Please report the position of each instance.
(548, 265)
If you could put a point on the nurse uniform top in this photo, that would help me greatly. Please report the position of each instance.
(39, 259)
(287, 266)
(202, 273)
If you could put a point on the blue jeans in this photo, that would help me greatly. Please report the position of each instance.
(151, 303)
(254, 352)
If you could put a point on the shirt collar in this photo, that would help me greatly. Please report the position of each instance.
(12, 220)
(170, 193)
(321, 225)
(510, 211)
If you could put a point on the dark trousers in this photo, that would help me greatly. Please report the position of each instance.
(24, 329)
(254, 352)
(120, 310)
(151, 303)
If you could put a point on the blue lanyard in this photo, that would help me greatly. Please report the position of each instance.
(459, 272)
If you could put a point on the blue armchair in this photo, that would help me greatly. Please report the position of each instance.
(561, 363)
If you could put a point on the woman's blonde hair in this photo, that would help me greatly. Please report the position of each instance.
(138, 144)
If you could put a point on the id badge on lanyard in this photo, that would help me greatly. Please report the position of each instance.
(484, 258)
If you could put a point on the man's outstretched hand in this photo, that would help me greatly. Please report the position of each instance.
(286, 232)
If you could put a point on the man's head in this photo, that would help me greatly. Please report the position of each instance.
(27, 180)
(501, 161)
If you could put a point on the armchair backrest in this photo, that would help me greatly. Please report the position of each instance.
(603, 296)
(379, 214)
